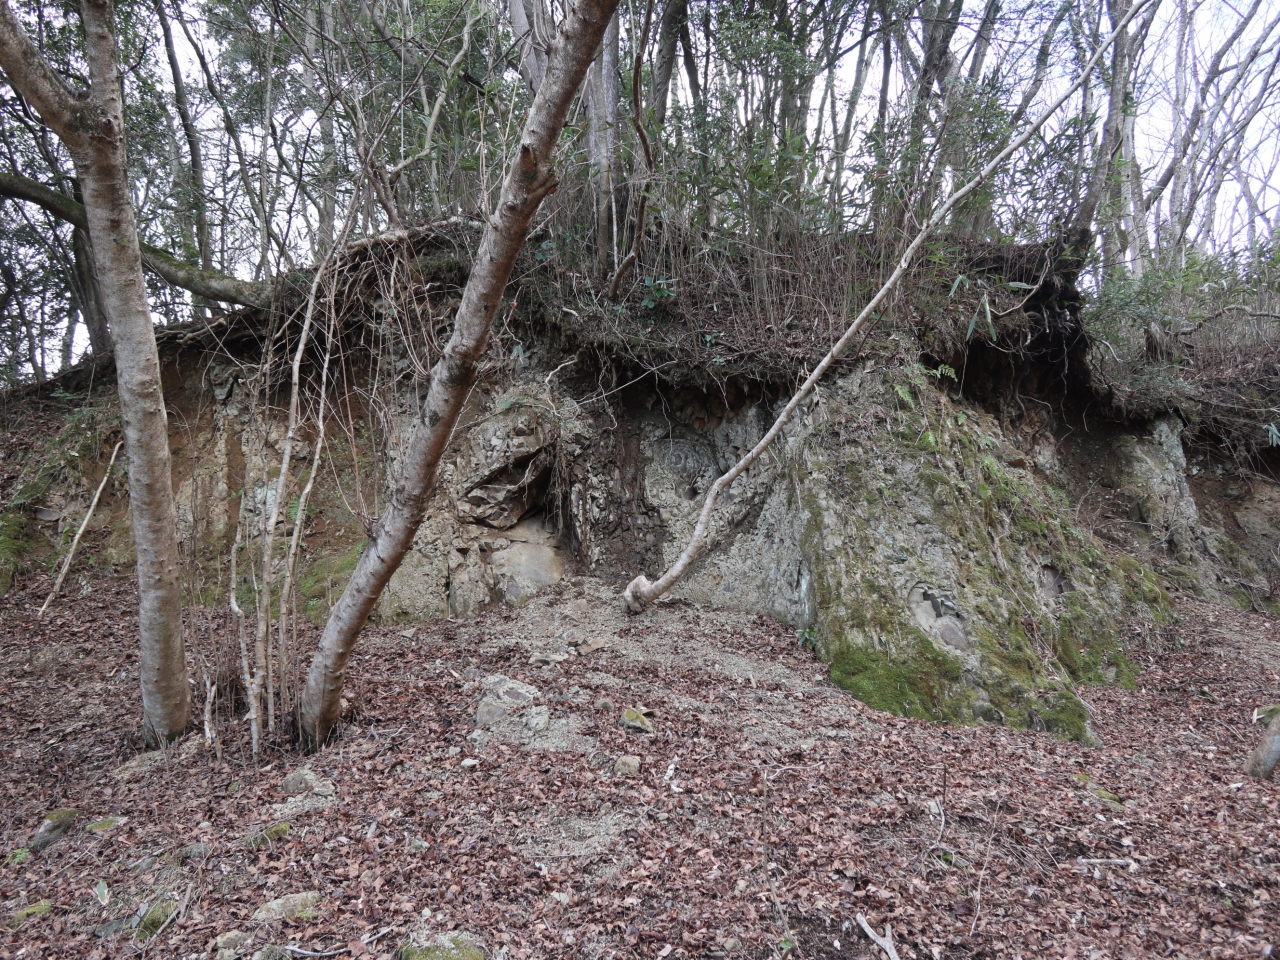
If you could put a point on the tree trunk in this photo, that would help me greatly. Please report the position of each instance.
(530, 180)
(197, 189)
(1265, 756)
(89, 294)
(673, 16)
(92, 127)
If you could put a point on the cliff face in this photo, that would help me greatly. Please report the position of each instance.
(948, 565)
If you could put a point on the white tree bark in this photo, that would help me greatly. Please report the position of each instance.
(92, 127)
(529, 180)
(641, 592)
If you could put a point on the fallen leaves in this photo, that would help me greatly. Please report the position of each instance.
(742, 790)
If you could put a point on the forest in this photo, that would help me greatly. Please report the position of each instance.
(663, 478)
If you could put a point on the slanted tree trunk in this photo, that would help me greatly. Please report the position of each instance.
(203, 283)
(92, 127)
(88, 294)
(529, 180)
(1265, 756)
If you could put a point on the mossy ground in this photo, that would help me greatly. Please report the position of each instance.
(323, 581)
(14, 546)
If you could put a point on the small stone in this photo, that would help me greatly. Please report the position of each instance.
(537, 719)
(105, 824)
(264, 838)
(663, 818)
(632, 719)
(731, 945)
(547, 659)
(470, 763)
(627, 766)
(300, 781)
(142, 763)
(52, 829)
(604, 703)
(273, 951)
(591, 646)
(292, 906)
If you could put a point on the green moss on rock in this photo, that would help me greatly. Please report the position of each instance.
(154, 918)
(37, 909)
(264, 838)
(921, 682)
(446, 947)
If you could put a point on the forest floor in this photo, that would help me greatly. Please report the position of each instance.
(766, 808)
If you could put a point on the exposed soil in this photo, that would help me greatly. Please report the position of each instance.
(767, 801)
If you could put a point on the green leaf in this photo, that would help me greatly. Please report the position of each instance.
(972, 324)
(959, 279)
(986, 305)
(1015, 285)
(102, 893)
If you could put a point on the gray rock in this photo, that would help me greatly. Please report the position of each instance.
(53, 828)
(112, 927)
(292, 906)
(193, 851)
(300, 781)
(604, 703)
(230, 945)
(627, 766)
(501, 696)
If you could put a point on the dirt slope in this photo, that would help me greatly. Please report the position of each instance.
(767, 802)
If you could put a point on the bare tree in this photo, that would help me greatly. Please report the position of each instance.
(529, 180)
(91, 125)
